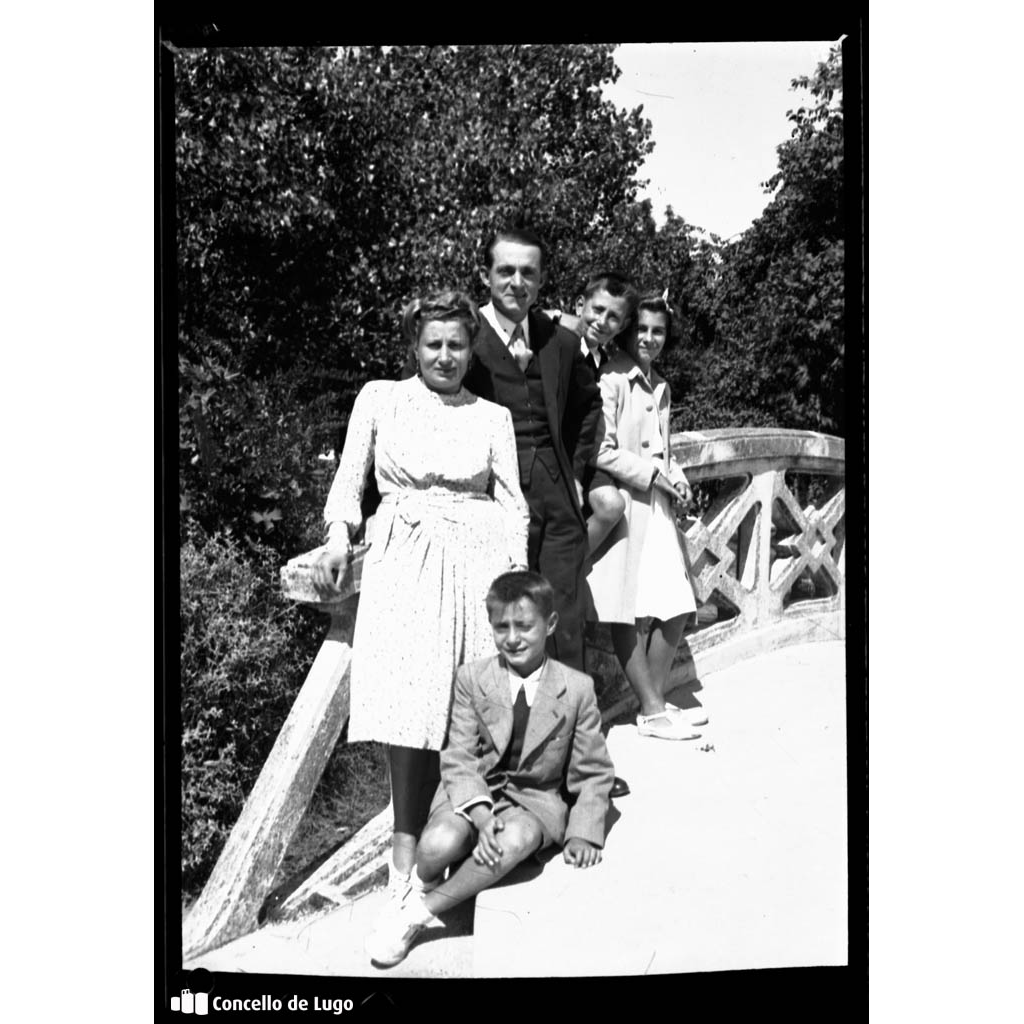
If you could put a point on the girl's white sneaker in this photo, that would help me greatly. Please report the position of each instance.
(665, 725)
(695, 716)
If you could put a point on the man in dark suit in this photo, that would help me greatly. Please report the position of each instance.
(535, 368)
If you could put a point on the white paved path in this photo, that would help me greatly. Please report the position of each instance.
(725, 858)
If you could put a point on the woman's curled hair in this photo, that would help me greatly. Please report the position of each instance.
(442, 305)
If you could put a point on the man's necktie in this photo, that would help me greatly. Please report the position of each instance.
(519, 349)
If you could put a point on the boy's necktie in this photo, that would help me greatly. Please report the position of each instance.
(520, 715)
(519, 349)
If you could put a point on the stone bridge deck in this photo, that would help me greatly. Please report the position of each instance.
(720, 859)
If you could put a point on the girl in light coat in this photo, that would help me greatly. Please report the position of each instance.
(640, 572)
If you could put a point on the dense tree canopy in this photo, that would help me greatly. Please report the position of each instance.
(319, 190)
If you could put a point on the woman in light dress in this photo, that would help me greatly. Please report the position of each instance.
(451, 519)
(639, 572)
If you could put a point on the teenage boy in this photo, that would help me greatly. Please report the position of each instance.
(604, 311)
(606, 307)
(524, 730)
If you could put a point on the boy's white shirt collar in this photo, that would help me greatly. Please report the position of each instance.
(598, 353)
(502, 324)
(529, 683)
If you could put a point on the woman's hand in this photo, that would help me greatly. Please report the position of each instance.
(327, 569)
(568, 320)
(573, 323)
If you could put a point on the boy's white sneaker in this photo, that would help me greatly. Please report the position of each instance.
(396, 931)
(417, 885)
(398, 886)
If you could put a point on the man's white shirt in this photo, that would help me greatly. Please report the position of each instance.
(503, 325)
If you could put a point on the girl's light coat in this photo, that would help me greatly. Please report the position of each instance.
(635, 425)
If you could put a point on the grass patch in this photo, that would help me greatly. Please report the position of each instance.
(354, 788)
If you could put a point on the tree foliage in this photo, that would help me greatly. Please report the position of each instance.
(239, 675)
(778, 303)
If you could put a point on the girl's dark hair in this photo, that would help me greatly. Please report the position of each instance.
(654, 303)
(443, 305)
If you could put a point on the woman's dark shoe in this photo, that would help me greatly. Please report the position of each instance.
(619, 788)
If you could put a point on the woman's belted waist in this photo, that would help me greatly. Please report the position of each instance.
(435, 504)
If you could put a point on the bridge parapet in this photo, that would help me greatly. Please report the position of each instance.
(766, 548)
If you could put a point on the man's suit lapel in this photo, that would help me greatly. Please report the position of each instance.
(489, 348)
(496, 708)
(541, 333)
(547, 713)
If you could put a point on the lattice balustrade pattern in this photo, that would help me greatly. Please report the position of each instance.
(766, 570)
(733, 548)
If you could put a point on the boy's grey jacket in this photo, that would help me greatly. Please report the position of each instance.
(563, 743)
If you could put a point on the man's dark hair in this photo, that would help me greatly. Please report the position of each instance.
(520, 235)
(510, 587)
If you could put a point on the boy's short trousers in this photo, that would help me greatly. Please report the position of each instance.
(593, 478)
(505, 808)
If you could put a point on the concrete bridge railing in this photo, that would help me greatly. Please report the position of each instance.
(766, 553)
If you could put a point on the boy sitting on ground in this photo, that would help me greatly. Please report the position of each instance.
(524, 729)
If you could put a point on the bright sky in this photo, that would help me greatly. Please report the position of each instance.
(718, 111)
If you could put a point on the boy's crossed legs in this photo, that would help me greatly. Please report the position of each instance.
(496, 850)
(506, 838)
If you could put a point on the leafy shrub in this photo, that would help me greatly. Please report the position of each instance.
(244, 654)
